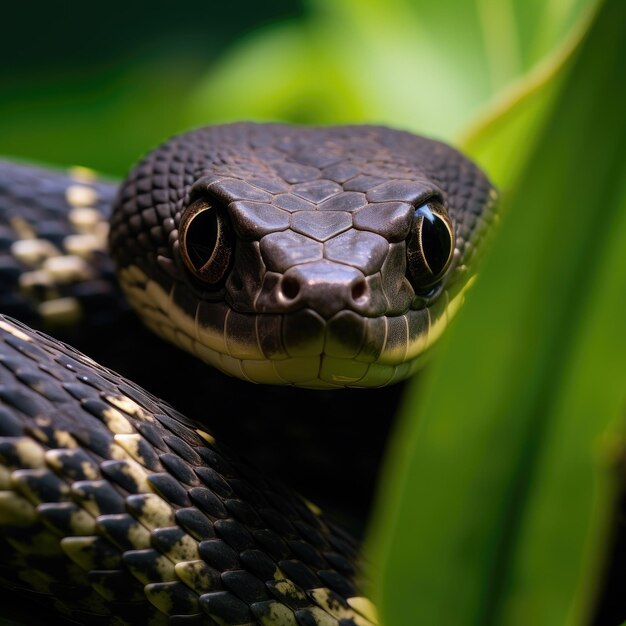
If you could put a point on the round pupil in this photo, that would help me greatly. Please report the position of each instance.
(201, 237)
(436, 241)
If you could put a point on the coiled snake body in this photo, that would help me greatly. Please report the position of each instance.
(314, 257)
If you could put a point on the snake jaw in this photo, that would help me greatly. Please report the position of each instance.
(299, 348)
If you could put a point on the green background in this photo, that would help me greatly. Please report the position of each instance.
(99, 84)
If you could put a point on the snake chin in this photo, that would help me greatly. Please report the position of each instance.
(300, 348)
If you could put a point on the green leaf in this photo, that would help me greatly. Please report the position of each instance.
(502, 475)
(515, 117)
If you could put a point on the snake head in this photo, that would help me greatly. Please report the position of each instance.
(317, 257)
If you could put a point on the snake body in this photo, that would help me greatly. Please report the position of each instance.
(318, 257)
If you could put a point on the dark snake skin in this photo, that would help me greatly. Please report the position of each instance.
(114, 508)
(55, 269)
(109, 498)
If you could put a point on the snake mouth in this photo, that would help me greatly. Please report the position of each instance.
(299, 348)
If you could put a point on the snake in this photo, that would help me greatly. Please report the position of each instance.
(315, 258)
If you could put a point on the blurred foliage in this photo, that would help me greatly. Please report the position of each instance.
(498, 499)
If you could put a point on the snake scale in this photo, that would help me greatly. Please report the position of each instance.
(310, 257)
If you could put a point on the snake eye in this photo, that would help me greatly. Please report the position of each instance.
(206, 242)
(430, 246)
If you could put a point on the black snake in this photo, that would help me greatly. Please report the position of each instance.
(314, 257)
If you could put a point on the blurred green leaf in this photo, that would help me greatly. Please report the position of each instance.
(503, 135)
(496, 504)
(428, 66)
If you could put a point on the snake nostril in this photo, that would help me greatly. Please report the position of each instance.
(358, 290)
(290, 287)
